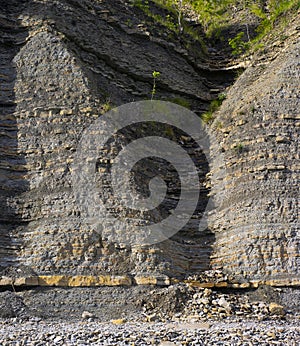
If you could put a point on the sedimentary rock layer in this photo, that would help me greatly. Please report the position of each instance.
(62, 63)
(257, 222)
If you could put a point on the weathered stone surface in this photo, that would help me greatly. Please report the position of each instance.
(152, 280)
(118, 321)
(60, 64)
(12, 306)
(86, 58)
(84, 281)
(257, 224)
(12, 161)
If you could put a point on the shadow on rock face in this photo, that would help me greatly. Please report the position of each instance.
(13, 163)
(86, 54)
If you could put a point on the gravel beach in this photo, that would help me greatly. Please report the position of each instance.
(145, 315)
(40, 333)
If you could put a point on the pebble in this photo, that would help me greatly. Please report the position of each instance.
(276, 309)
(87, 315)
(119, 321)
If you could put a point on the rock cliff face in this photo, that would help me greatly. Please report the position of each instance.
(257, 225)
(62, 62)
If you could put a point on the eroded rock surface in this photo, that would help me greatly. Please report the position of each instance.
(61, 63)
(257, 224)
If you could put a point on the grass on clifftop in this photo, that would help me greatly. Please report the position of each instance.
(214, 13)
(278, 9)
(217, 15)
(170, 17)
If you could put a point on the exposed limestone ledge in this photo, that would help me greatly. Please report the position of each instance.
(251, 284)
(124, 280)
(68, 281)
(162, 280)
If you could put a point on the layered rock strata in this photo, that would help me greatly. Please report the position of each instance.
(257, 222)
(68, 60)
(62, 64)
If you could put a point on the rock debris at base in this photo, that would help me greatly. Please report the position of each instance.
(35, 332)
(174, 315)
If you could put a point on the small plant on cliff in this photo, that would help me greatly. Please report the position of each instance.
(221, 98)
(107, 106)
(141, 4)
(238, 44)
(239, 148)
(155, 75)
(208, 116)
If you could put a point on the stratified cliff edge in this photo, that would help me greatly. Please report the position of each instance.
(257, 225)
(62, 63)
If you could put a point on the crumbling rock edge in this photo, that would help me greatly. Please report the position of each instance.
(127, 280)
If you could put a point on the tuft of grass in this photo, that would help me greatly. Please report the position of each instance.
(238, 44)
(239, 148)
(208, 116)
(222, 97)
(219, 125)
(107, 106)
(129, 23)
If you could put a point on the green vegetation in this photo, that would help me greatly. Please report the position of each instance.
(208, 116)
(172, 20)
(218, 125)
(107, 106)
(155, 75)
(239, 148)
(213, 13)
(238, 44)
(129, 23)
(278, 10)
(167, 21)
(216, 15)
